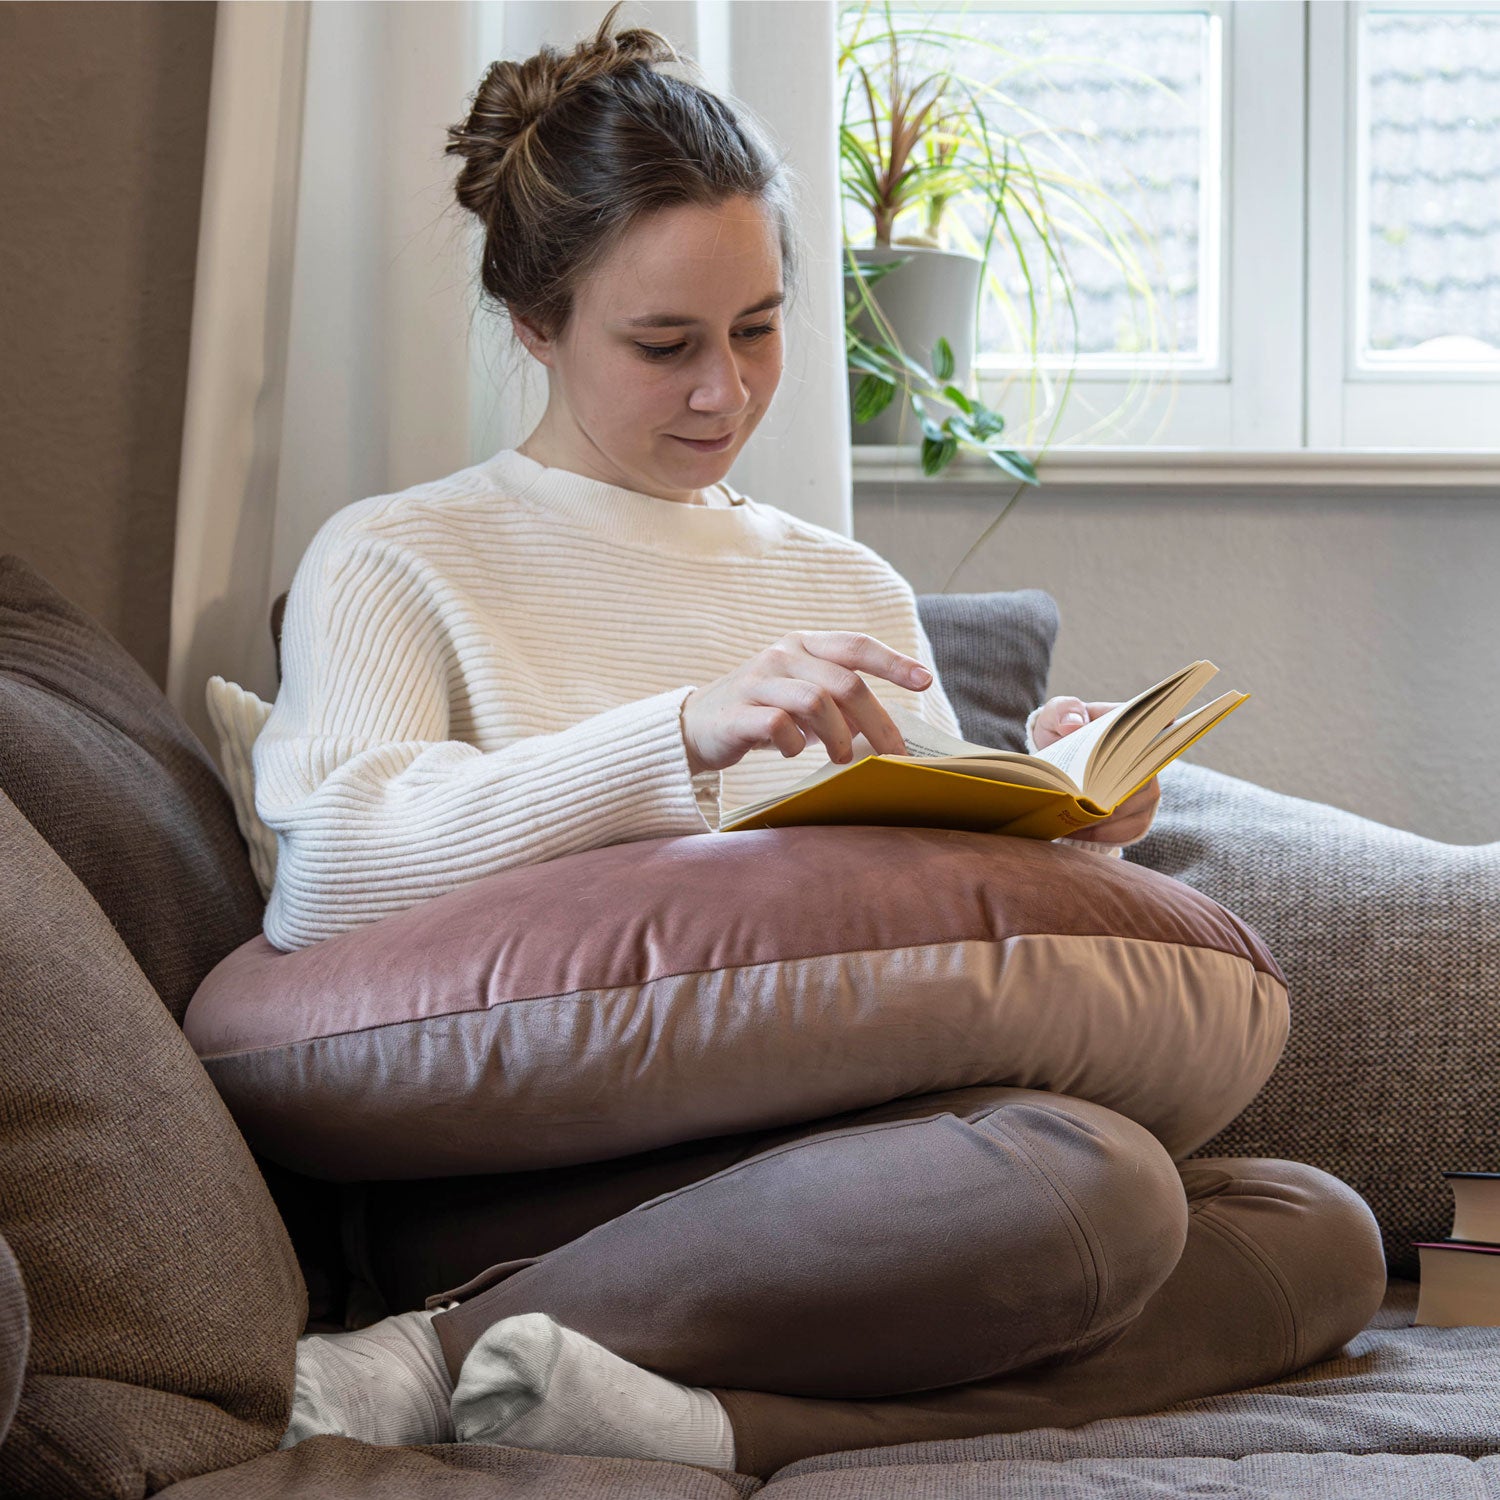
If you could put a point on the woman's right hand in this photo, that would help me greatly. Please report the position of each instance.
(806, 686)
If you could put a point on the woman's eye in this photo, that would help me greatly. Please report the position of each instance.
(666, 351)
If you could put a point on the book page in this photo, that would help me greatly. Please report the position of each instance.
(923, 738)
(1143, 720)
(1120, 779)
(932, 747)
(1097, 755)
(1072, 753)
(1013, 770)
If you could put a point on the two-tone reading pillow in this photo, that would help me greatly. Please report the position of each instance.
(644, 994)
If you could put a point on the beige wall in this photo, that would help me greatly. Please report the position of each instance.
(103, 110)
(1366, 626)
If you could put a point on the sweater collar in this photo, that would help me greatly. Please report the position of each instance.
(629, 516)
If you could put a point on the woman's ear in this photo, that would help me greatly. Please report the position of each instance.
(536, 343)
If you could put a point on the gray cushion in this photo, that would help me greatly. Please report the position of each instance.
(163, 1295)
(993, 653)
(1395, 1389)
(1261, 1476)
(109, 774)
(1391, 948)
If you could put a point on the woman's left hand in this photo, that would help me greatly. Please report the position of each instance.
(1131, 819)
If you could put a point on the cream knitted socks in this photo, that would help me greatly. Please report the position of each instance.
(534, 1383)
(529, 1382)
(382, 1384)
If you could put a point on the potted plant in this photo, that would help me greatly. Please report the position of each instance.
(908, 147)
(939, 182)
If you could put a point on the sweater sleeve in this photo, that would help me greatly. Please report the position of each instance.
(377, 806)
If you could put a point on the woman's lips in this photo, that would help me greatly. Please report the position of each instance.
(712, 445)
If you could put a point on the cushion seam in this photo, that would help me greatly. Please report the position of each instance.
(585, 992)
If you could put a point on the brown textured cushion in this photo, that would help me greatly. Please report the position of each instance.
(993, 653)
(15, 1335)
(114, 780)
(624, 998)
(164, 1299)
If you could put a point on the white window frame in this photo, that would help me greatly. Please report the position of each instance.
(1355, 402)
(1287, 219)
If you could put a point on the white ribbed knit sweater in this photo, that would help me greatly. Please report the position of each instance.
(488, 670)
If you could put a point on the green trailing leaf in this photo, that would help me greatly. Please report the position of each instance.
(933, 431)
(957, 397)
(937, 454)
(988, 423)
(900, 357)
(1013, 463)
(869, 364)
(942, 360)
(871, 397)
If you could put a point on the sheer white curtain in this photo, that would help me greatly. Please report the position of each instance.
(339, 348)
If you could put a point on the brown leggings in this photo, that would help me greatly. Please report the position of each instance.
(984, 1260)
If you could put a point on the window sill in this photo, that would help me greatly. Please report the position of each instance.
(1359, 468)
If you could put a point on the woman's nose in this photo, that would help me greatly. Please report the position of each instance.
(719, 387)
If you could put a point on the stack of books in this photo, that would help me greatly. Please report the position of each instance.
(1461, 1274)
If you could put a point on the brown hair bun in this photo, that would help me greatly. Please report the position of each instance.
(514, 97)
(563, 151)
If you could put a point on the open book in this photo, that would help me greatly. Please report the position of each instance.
(944, 782)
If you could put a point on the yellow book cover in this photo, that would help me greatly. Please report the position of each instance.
(943, 782)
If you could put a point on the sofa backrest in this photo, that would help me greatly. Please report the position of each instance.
(107, 771)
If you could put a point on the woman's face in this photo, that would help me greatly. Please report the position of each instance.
(671, 355)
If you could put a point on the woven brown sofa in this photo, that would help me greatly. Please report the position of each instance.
(154, 1276)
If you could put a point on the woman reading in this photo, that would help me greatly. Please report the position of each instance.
(592, 639)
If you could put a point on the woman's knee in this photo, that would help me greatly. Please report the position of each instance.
(1111, 1195)
(1312, 1238)
(1001, 1227)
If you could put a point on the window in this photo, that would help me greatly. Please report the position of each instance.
(1291, 236)
(1404, 226)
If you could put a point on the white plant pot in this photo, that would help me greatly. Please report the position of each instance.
(932, 296)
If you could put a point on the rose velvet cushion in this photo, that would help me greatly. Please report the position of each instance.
(633, 996)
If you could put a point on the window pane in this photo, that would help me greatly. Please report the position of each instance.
(1112, 110)
(1431, 168)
